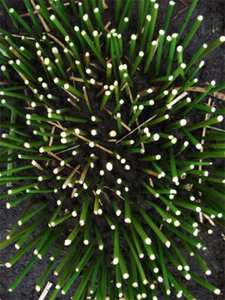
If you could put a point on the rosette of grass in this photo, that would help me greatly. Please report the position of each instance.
(72, 51)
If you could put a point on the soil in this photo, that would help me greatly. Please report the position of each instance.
(212, 27)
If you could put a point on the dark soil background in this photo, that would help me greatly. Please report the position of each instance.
(212, 27)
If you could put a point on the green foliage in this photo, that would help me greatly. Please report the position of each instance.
(101, 137)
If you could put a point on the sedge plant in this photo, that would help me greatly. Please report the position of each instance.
(110, 173)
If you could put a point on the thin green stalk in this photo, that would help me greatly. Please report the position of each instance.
(154, 9)
(192, 31)
(11, 17)
(23, 250)
(85, 277)
(161, 39)
(157, 231)
(22, 274)
(187, 17)
(204, 283)
(168, 15)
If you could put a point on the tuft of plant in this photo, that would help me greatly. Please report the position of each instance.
(107, 149)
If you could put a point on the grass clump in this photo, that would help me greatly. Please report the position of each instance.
(103, 148)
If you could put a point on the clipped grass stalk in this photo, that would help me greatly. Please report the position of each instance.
(29, 232)
(196, 57)
(139, 228)
(168, 15)
(51, 240)
(193, 72)
(205, 123)
(106, 97)
(22, 251)
(14, 237)
(61, 219)
(33, 213)
(136, 259)
(99, 238)
(171, 78)
(136, 63)
(93, 47)
(99, 22)
(116, 250)
(71, 251)
(150, 56)
(200, 97)
(154, 8)
(22, 274)
(15, 227)
(147, 25)
(119, 122)
(84, 210)
(95, 272)
(136, 242)
(132, 48)
(187, 17)
(79, 267)
(161, 39)
(157, 231)
(85, 277)
(173, 165)
(213, 46)
(72, 235)
(118, 9)
(14, 15)
(192, 31)
(164, 268)
(103, 276)
(207, 285)
(17, 201)
(191, 138)
(68, 269)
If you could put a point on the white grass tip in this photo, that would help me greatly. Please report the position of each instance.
(109, 166)
(148, 241)
(198, 146)
(179, 268)
(82, 222)
(8, 265)
(217, 291)
(115, 261)
(37, 288)
(188, 277)
(67, 242)
(176, 223)
(220, 118)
